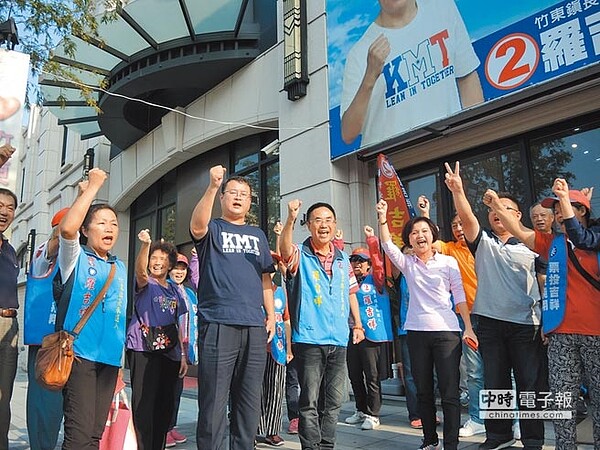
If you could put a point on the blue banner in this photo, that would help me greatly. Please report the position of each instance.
(386, 80)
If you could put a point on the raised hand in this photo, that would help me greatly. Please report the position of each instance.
(144, 236)
(381, 209)
(294, 208)
(452, 178)
(379, 50)
(339, 234)
(561, 188)
(97, 177)
(368, 231)
(217, 174)
(490, 197)
(588, 192)
(6, 151)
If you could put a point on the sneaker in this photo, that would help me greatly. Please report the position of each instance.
(275, 440)
(357, 417)
(370, 423)
(170, 441)
(495, 444)
(471, 428)
(516, 429)
(177, 436)
(416, 423)
(435, 446)
(293, 427)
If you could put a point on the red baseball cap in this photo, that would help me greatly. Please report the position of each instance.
(58, 217)
(362, 253)
(182, 259)
(574, 195)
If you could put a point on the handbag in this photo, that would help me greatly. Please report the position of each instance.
(159, 339)
(119, 432)
(55, 358)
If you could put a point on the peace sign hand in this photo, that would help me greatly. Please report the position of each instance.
(452, 178)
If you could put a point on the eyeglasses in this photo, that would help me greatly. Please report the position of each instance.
(321, 220)
(236, 193)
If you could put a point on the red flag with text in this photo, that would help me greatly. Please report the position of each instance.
(390, 188)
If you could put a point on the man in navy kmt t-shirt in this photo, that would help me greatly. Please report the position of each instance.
(235, 307)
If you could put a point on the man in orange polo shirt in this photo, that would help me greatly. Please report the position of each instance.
(471, 358)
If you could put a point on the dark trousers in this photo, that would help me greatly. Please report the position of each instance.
(363, 371)
(443, 350)
(153, 377)
(86, 401)
(44, 409)
(292, 390)
(409, 382)
(9, 352)
(322, 376)
(177, 391)
(507, 346)
(231, 366)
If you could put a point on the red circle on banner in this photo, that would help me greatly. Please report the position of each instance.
(512, 61)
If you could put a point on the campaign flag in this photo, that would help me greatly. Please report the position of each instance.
(390, 188)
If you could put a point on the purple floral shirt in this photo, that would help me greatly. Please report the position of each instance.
(156, 305)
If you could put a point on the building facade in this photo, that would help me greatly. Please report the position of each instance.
(247, 123)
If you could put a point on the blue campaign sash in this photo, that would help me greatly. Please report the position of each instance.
(40, 308)
(278, 343)
(555, 290)
(192, 304)
(375, 311)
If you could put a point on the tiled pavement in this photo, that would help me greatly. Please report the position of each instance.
(394, 432)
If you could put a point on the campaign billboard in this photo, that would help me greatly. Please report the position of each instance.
(397, 66)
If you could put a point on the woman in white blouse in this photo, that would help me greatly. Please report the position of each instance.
(433, 332)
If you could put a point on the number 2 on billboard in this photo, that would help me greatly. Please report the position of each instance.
(512, 61)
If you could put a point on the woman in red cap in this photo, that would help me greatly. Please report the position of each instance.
(188, 324)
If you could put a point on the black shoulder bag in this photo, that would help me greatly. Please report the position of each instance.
(584, 273)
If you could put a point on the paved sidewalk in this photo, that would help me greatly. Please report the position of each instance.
(394, 432)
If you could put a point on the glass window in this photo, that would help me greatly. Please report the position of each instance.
(272, 200)
(253, 217)
(143, 223)
(167, 217)
(573, 155)
(168, 188)
(426, 185)
(246, 153)
(501, 170)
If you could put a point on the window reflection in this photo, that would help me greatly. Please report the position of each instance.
(573, 155)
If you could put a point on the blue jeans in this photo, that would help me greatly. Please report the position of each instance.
(474, 365)
(409, 382)
(507, 346)
(320, 364)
